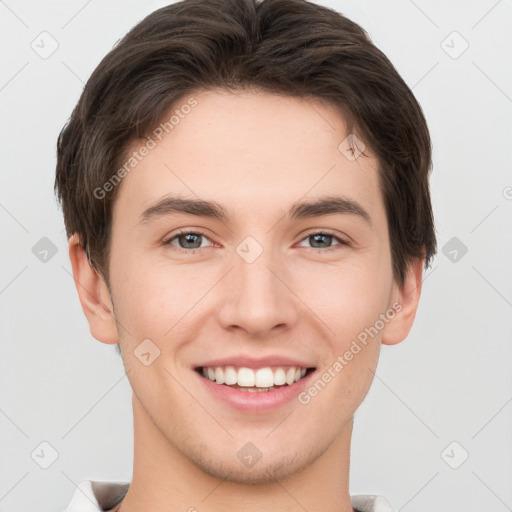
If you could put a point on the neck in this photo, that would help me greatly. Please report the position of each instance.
(165, 479)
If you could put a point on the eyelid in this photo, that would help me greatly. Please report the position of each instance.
(325, 231)
(313, 231)
(186, 231)
(343, 241)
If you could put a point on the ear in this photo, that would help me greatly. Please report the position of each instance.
(93, 294)
(406, 299)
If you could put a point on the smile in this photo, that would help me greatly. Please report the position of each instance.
(254, 379)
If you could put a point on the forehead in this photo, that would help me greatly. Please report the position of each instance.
(254, 151)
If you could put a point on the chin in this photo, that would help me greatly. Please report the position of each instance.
(266, 470)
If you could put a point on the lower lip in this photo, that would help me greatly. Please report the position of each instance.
(255, 402)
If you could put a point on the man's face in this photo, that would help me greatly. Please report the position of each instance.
(259, 283)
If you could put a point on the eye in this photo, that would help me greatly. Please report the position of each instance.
(187, 240)
(191, 240)
(323, 240)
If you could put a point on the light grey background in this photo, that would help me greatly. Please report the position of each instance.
(451, 380)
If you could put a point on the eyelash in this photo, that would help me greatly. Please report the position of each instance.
(325, 232)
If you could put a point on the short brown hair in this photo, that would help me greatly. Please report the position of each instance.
(289, 47)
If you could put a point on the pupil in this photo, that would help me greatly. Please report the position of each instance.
(317, 237)
(189, 238)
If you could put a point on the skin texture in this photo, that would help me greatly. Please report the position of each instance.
(256, 154)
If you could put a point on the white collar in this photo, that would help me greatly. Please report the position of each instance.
(96, 496)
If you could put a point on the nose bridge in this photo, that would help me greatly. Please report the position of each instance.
(256, 297)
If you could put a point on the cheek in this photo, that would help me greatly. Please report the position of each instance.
(152, 306)
(350, 309)
(347, 297)
(147, 298)
(163, 301)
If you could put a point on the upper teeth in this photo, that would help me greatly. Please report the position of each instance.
(261, 378)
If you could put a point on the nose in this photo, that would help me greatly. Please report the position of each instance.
(257, 297)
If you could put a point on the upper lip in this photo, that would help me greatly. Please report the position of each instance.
(255, 362)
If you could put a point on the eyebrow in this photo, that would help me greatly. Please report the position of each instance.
(329, 205)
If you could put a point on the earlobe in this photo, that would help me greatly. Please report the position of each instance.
(93, 294)
(407, 298)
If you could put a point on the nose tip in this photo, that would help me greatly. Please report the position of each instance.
(256, 298)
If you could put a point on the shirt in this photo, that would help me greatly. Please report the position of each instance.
(92, 496)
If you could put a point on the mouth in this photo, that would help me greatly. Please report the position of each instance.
(254, 380)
